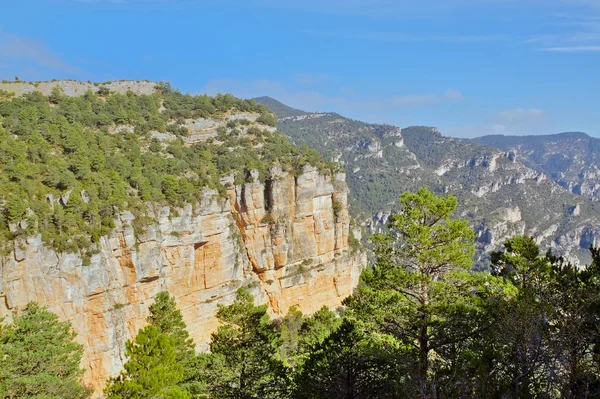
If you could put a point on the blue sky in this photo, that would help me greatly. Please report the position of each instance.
(468, 67)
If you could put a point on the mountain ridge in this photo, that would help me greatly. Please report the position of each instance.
(502, 190)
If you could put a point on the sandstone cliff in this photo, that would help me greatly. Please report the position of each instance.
(285, 239)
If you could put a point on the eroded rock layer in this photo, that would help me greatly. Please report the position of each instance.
(286, 239)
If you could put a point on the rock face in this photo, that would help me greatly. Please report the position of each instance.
(286, 239)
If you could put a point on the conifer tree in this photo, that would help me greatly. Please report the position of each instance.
(299, 334)
(151, 370)
(421, 292)
(245, 362)
(39, 358)
(167, 318)
(346, 365)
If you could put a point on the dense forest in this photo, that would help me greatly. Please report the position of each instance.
(421, 324)
(67, 175)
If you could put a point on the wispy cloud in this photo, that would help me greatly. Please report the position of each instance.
(516, 121)
(453, 94)
(404, 37)
(414, 100)
(419, 99)
(30, 53)
(573, 49)
(573, 32)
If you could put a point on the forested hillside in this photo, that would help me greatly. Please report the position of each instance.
(69, 165)
(170, 241)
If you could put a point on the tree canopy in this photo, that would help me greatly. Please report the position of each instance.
(39, 358)
(70, 165)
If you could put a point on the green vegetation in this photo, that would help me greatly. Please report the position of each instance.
(245, 350)
(39, 358)
(421, 293)
(346, 364)
(70, 165)
(168, 320)
(151, 370)
(422, 324)
(485, 174)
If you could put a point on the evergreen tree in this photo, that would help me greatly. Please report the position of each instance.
(289, 330)
(151, 370)
(575, 337)
(39, 357)
(299, 334)
(546, 335)
(522, 330)
(421, 292)
(348, 364)
(245, 362)
(167, 318)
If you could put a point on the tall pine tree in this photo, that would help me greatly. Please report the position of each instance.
(39, 358)
(151, 370)
(348, 364)
(421, 292)
(245, 361)
(167, 318)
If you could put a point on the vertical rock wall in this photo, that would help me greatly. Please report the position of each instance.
(285, 239)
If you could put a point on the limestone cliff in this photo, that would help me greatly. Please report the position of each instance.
(286, 239)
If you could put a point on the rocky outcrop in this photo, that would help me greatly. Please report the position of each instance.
(77, 88)
(285, 238)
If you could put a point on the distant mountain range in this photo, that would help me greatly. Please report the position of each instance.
(545, 186)
(570, 159)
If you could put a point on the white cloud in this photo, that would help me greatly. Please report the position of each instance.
(343, 100)
(572, 49)
(310, 79)
(404, 37)
(242, 88)
(23, 53)
(576, 31)
(425, 98)
(347, 91)
(409, 8)
(517, 121)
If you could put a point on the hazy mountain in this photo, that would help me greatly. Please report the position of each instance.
(282, 110)
(504, 187)
(571, 159)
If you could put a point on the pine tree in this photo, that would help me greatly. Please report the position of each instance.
(244, 362)
(167, 318)
(346, 365)
(299, 334)
(151, 370)
(39, 357)
(421, 292)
